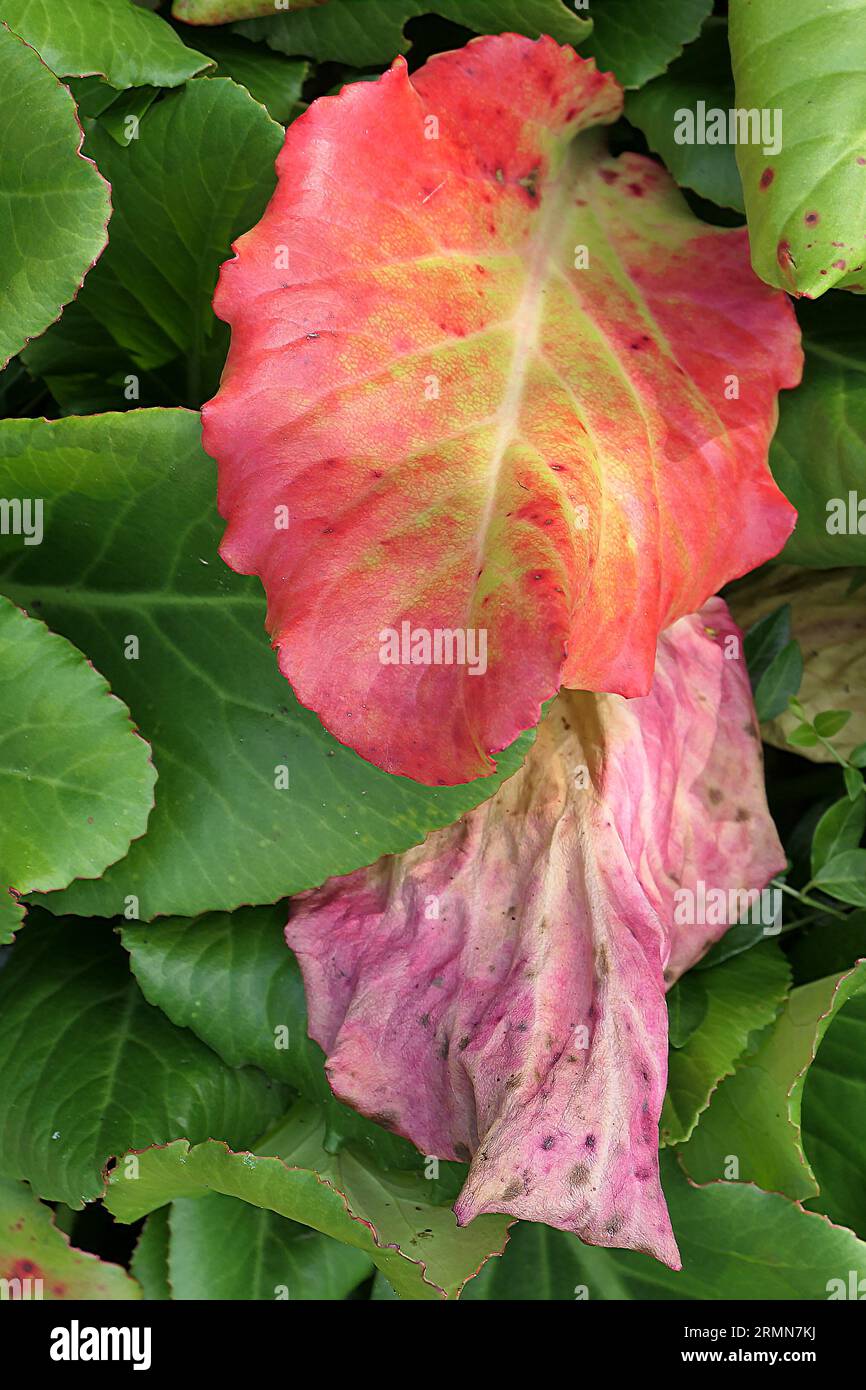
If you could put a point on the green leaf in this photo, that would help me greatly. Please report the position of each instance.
(638, 42)
(744, 994)
(844, 877)
(87, 374)
(90, 1069)
(54, 204)
(854, 783)
(391, 1217)
(223, 1248)
(830, 721)
(11, 915)
(834, 1117)
(857, 757)
(803, 736)
(149, 1261)
(122, 118)
(76, 782)
(34, 1252)
(765, 640)
(687, 1007)
(754, 1117)
(198, 174)
(272, 79)
(701, 74)
(806, 199)
(128, 46)
(232, 979)
(818, 454)
(741, 937)
(840, 828)
(205, 688)
(368, 33)
(736, 1243)
(779, 682)
(92, 95)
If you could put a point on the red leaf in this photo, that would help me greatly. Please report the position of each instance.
(499, 991)
(469, 433)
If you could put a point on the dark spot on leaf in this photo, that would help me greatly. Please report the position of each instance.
(386, 1120)
(578, 1175)
(767, 178)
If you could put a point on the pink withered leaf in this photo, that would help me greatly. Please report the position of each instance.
(487, 382)
(498, 992)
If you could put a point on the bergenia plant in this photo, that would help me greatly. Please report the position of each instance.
(432, 482)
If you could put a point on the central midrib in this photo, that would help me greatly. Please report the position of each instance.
(525, 325)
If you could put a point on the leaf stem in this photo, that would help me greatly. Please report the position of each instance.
(809, 902)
